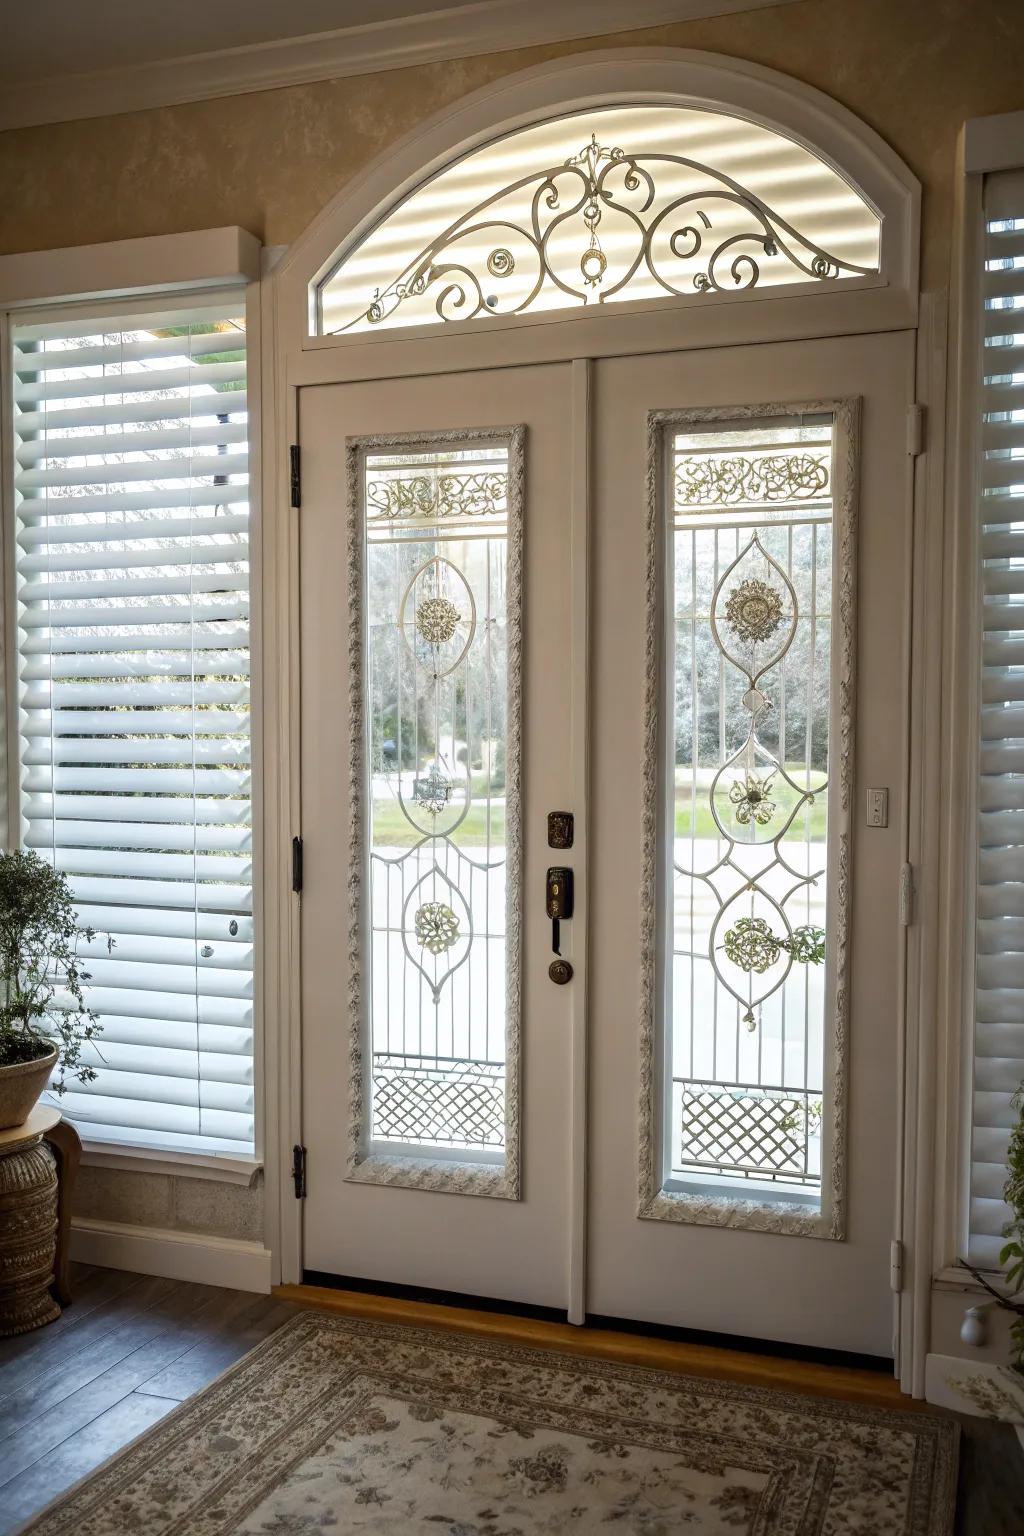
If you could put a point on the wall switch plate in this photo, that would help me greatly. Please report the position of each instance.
(878, 808)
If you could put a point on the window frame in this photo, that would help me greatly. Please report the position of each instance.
(103, 281)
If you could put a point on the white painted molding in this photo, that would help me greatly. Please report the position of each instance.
(226, 1261)
(450, 33)
(200, 258)
(994, 143)
(222, 1168)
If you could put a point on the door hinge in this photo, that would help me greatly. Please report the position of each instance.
(295, 462)
(906, 898)
(895, 1265)
(296, 863)
(915, 429)
(299, 1172)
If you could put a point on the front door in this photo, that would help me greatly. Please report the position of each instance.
(436, 706)
(747, 511)
(748, 673)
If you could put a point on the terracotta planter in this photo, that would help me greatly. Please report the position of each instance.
(20, 1087)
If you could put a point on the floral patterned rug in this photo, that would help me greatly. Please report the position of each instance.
(340, 1426)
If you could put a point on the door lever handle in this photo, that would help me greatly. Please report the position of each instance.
(558, 896)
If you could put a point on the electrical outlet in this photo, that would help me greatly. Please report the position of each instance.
(878, 808)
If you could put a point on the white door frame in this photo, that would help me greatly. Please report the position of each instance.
(295, 358)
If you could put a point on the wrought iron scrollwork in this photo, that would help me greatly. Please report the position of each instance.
(724, 480)
(425, 497)
(659, 236)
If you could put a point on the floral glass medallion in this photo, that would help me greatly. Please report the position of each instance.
(754, 611)
(437, 927)
(751, 797)
(437, 619)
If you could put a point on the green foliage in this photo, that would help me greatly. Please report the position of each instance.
(1011, 1255)
(41, 978)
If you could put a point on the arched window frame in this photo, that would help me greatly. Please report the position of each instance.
(884, 300)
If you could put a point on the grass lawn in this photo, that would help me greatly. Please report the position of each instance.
(392, 830)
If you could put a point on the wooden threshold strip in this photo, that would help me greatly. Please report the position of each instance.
(844, 1382)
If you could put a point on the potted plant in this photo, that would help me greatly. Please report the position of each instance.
(44, 1021)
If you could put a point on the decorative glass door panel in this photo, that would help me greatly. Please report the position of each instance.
(434, 548)
(751, 538)
(440, 759)
(751, 506)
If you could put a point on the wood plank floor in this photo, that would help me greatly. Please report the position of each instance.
(132, 1348)
(127, 1351)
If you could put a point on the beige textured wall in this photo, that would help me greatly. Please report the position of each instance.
(912, 69)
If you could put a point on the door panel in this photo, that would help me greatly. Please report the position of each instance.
(421, 571)
(697, 1273)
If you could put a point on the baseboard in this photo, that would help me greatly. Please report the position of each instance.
(225, 1261)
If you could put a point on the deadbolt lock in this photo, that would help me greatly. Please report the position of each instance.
(560, 972)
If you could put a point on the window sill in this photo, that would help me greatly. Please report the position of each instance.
(953, 1278)
(221, 1167)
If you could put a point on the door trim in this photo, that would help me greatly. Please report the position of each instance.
(654, 1202)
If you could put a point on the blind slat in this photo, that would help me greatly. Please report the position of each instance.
(30, 390)
(129, 413)
(130, 465)
(75, 446)
(115, 353)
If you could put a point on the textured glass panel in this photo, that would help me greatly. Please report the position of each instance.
(607, 205)
(437, 685)
(752, 549)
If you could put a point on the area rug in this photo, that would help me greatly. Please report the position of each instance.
(341, 1426)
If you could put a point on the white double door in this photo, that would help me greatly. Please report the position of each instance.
(675, 1058)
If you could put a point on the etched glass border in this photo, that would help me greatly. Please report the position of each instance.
(363, 1165)
(726, 1209)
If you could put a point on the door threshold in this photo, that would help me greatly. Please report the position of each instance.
(756, 1362)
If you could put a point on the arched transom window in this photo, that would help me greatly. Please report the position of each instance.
(604, 206)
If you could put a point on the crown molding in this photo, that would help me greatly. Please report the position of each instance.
(459, 32)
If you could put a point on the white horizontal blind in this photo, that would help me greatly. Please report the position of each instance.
(132, 533)
(999, 971)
